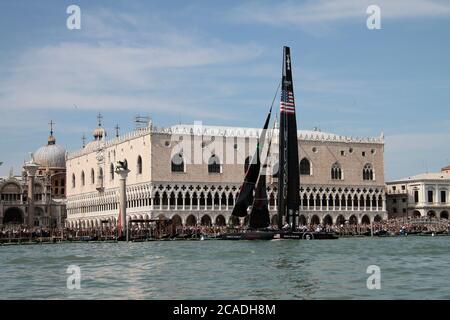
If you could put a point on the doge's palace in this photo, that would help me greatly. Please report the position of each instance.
(192, 173)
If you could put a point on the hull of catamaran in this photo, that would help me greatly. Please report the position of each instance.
(278, 235)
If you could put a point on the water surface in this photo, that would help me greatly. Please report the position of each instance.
(411, 268)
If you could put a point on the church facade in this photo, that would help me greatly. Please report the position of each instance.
(192, 174)
(37, 197)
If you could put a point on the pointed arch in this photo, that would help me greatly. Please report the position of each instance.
(206, 221)
(368, 172)
(336, 171)
(177, 163)
(111, 171)
(327, 220)
(139, 165)
(214, 165)
(315, 220)
(305, 167)
(365, 219)
(220, 220)
(191, 221)
(176, 220)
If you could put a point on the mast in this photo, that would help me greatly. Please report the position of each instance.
(288, 172)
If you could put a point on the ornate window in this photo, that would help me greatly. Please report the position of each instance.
(368, 172)
(336, 171)
(177, 163)
(82, 178)
(305, 167)
(111, 171)
(214, 164)
(92, 176)
(139, 165)
(73, 180)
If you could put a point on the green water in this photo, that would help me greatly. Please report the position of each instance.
(411, 268)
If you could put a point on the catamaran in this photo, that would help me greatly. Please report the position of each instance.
(252, 199)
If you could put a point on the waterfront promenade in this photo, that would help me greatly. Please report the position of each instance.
(393, 227)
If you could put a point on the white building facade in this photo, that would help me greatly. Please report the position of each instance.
(423, 195)
(192, 174)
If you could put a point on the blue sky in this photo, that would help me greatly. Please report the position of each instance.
(220, 62)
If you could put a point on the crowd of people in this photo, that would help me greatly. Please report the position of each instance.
(392, 227)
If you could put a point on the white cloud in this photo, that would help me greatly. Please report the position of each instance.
(422, 151)
(288, 13)
(116, 66)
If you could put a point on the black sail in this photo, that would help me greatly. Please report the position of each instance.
(245, 197)
(288, 174)
(259, 214)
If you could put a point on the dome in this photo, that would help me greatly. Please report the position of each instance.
(99, 133)
(51, 155)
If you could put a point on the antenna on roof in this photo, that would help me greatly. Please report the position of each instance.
(141, 122)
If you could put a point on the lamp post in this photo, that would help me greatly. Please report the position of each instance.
(122, 171)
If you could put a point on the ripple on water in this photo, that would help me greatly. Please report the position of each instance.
(411, 268)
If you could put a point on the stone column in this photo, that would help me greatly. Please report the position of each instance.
(437, 197)
(123, 174)
(31, 169)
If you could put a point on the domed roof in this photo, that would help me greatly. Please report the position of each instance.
(99, 133)
(51, 155)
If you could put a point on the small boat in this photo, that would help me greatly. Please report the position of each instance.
(306, 235)
(249, 235)
(381, 233)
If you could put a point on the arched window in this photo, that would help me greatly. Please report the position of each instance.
(100, 176)
(92, 176)
(111, 171)
(336, 172)
(139, 165)
(177, 163)
(305, 167)
(82, 178)
(368, 172)
(73, 180)
(214, 164)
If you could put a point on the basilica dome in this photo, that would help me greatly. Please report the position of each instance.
(50, 155)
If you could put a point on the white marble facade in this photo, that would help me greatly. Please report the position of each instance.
(192, 173)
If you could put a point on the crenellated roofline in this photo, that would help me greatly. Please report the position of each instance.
(220, 131)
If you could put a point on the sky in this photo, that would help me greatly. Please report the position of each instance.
(220, 63)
